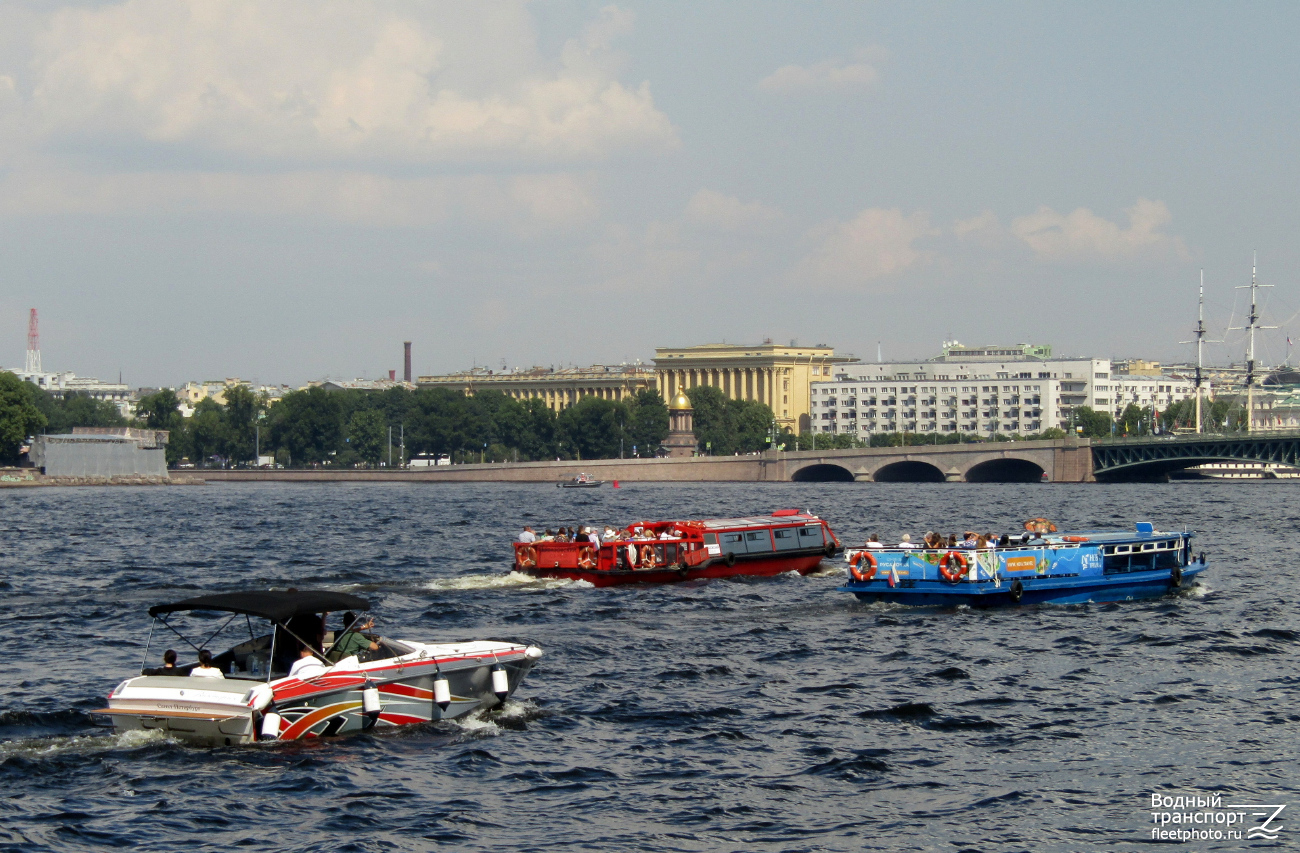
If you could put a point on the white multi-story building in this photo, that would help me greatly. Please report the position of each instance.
(982, 390)
(1158, 391)
(59, 384)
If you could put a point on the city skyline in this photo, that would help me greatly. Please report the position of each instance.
(191, 190)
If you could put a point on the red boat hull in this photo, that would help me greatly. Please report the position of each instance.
(719, 569)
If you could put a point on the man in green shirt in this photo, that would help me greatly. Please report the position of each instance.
(352, 641)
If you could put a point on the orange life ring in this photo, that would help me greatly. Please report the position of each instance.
(586, 557)
(1074, 538)
(948, 566)
(863, 558)
(526, 557)
(1040, 526)
(648, 560)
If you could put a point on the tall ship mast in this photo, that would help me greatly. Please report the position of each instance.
(1251, 325)
(1199, 332)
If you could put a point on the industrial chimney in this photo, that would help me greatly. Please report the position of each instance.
(34, 346)
(406, 373)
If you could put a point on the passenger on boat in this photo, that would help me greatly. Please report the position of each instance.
(905, 541)
(1005, 541)
(969, 540)
(873, 541)
(610, 533)
(168, 667)
(352, 640)
(581, 535)
(205, 669)
(527, 536)
(592, 536)
(548, 536)
(668, 534)
(307, 665)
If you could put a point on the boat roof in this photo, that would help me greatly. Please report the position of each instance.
(277, 606)
(754, 521)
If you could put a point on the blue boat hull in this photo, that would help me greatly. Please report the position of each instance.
(1041, 590)
(1066, 569)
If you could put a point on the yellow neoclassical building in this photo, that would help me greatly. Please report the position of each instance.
(779, 376)
(558, 387)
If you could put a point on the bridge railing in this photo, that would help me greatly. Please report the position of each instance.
(1254, 434)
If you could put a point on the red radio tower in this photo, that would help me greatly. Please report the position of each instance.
(33, 345)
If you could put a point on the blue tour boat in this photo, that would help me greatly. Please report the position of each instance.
(1038, 567)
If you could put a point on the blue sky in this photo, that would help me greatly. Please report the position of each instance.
(286, 191)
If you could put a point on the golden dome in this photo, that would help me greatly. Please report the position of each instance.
(680, 403)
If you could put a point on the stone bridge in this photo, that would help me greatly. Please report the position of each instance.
(1063, 461)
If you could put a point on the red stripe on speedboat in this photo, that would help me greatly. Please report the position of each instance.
(401, 719)
(399, 689)
(305, 722)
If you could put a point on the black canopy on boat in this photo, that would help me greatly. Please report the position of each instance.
(269, 604)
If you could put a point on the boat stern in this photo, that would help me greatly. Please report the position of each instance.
(205, 711)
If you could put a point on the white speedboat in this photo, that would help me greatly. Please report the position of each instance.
(399, 683)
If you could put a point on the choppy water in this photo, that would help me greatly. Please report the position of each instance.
(772, 714)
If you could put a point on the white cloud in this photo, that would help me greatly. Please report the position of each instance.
(1083, 235)
(524, 204)
(712, 209)
(827, 75)
(326, 80)
(876, 244)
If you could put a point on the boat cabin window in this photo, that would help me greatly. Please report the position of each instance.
(733, 543)
(787, 538)
(810, 536)
(710, 539)
(758, 540)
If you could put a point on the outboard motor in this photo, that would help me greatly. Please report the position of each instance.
(500, 682)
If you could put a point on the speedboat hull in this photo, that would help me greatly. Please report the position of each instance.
(225, 712)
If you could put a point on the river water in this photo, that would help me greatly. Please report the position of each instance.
(774, 714)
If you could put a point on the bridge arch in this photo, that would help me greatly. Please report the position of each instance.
(823, 473)
(909, 471)
(1006, 469)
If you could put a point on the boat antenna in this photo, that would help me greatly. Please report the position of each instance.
(1251, 325)
(1199, 333)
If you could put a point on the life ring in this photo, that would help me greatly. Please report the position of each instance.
(953, 566)
(863, 558)
(1017, 590)
(730, 559)
(1074, 538)
(586, 557)
(648, 557)
(1040, 526)
(526, 557)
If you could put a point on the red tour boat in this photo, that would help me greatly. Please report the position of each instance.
(666, 551)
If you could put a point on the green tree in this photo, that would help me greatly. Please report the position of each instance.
(240, 412)
(1095, 424)
(162, 410)
(368, 436)
(647, 425)
(1131, 419)
(207, 431)
(77, 409)
(307, 424)
(20, 416)
(592, 427)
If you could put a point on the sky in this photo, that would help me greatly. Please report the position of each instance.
(285, 191)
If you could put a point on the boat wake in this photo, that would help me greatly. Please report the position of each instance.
(513, 716)
(40, 748)
(506, 581)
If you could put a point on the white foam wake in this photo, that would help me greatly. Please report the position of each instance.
(46, 747)
(506, 581)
